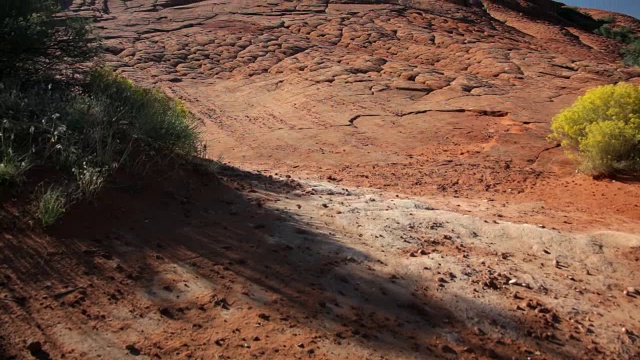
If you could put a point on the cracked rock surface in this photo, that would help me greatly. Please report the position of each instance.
(434, 98)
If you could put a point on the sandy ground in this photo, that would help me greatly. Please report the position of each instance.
(264, 267)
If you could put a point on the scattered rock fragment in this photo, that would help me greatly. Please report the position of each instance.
(447, 349)
(468, 350)
(220, 302)
(34, 346)
(490, 284)
(166, 312)
(478, 331)
(35, 349)
(132, 349)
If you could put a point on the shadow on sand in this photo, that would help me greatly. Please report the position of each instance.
(191, 264)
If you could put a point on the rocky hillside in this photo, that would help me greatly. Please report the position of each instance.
(390, 193)
(423, 97)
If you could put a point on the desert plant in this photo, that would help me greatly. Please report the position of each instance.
(12, 165)
(609, 19)
(602, 129)
(34, 123)
(210, 166)
(34, 37)
(51, 206)
(158, 122)
(58, 114)
(12, 169)
(102, 123)
(631, 53)
(90, 180)
(622, 34)
(9, 173)
(573, 15)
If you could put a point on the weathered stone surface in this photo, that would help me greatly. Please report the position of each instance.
(375, 90)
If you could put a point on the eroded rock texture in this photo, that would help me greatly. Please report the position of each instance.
(418, 96)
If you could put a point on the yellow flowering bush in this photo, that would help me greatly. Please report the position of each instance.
(602, 129)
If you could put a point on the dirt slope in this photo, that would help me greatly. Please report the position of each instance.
(261, 267)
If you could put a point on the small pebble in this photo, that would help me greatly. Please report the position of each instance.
(34, 346)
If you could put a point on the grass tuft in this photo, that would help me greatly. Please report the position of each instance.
(51, 206)
(90, 180)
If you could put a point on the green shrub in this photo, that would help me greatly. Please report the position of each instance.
(602, 129)
(609, 19)
(31, 126)
(34, 39)
(87, 132)
(158, 122)
(622, 34)
(107, 123)
(51, 206)
(8, 173)
(12, 170)
(24, 8)
(84, 124)
(631, 54)
(12, 165)
(573, 15)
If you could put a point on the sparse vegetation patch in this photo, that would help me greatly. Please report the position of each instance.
(622, 33)
(631, 54)
(574, 15)
(82, 124)
(607, 19)
(52, 205)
